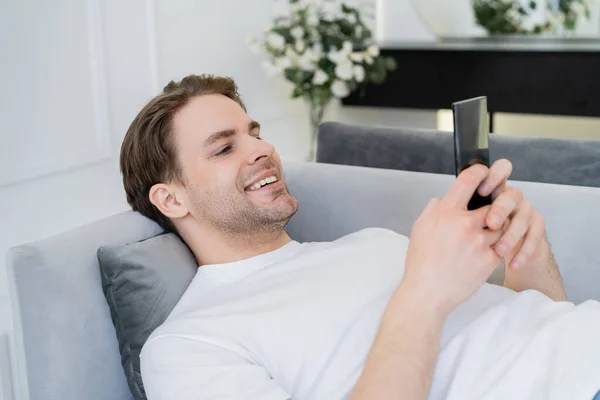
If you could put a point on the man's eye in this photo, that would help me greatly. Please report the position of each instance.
(224, 151)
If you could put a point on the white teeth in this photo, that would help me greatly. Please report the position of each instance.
(263, 182)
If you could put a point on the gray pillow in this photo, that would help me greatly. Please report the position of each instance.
(142, 283)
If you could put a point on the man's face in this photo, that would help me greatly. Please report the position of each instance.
(233, 179)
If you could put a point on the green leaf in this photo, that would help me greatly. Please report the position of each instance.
(298, 92)
(390, 63)
(291, 74)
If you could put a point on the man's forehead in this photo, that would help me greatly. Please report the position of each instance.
(204, 115)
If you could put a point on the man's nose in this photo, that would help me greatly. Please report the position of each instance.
(260, 149)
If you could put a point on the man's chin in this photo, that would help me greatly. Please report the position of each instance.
(281, 206)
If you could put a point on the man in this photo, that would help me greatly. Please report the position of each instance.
(368, 316)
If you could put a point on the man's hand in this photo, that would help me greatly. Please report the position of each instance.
(524, 228)
(450, 253)
(523, 245)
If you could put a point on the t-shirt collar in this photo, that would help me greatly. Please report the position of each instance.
(238, 269)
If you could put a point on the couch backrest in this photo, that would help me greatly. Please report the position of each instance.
(336, 200)
(61, 315)
(70, 343)
(535, 159)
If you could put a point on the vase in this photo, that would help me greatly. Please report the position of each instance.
(316, 109)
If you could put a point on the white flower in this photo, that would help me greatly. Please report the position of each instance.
(347, 47)
(357, 57)
(297, 32)
(320, 77)
(276, 41)
(270, 68)
(337, 57)
(283, 63)
(331, 7)
(312, 20)
(317, 50)
(373, 50)
(340, 89)
(306, 63)
(309, 54)
(283, 23)
(268, 28)
(300, 46)
(368, 58)
(351, 18)
(344, 71)
(294, 7)
(290, 52)
(578, 8)
(359, 73)
(513, 14)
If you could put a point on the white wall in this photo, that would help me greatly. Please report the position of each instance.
(187, 43)
(79, 72)
(193, 37)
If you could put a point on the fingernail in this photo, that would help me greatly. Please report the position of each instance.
(502, 249)
(494, 219)
(483, 189)
(515, 264)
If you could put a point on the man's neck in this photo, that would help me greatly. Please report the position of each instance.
(223, 248)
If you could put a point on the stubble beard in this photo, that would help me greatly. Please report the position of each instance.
(235, 215)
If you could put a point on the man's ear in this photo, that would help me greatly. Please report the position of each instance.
(167, 199)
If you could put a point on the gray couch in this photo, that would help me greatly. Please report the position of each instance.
(67, 334)
(535, 159)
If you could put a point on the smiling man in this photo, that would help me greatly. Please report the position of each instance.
(368, 316)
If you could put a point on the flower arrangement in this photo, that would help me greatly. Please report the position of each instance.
(508, 16)
(326, 51)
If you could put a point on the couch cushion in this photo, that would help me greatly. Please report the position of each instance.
(535, 159)
(142, 283)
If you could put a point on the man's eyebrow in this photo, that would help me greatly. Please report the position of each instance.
(215, 137)
(226, 133)
(253, 125)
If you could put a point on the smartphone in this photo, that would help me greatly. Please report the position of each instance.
(471, 140)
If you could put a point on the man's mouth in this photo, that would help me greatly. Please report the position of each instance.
(262, 183)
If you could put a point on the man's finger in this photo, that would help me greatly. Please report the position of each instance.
(503, 206)
(499, 173)
(479, 216)
(464, 186)
(519, 225)
(533, 238)
(492, 237)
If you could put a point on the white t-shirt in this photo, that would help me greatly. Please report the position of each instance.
(298, 323)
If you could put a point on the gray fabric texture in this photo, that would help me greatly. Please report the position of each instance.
(68, 337)
(535, 159)
(142, 283)
(70, 343)
(336, 200)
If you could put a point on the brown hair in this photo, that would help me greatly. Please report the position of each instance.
(148, 153)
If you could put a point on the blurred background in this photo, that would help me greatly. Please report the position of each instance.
(76, 72)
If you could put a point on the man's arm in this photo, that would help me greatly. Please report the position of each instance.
(404, 353)
(541, 274)
(449, 257)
